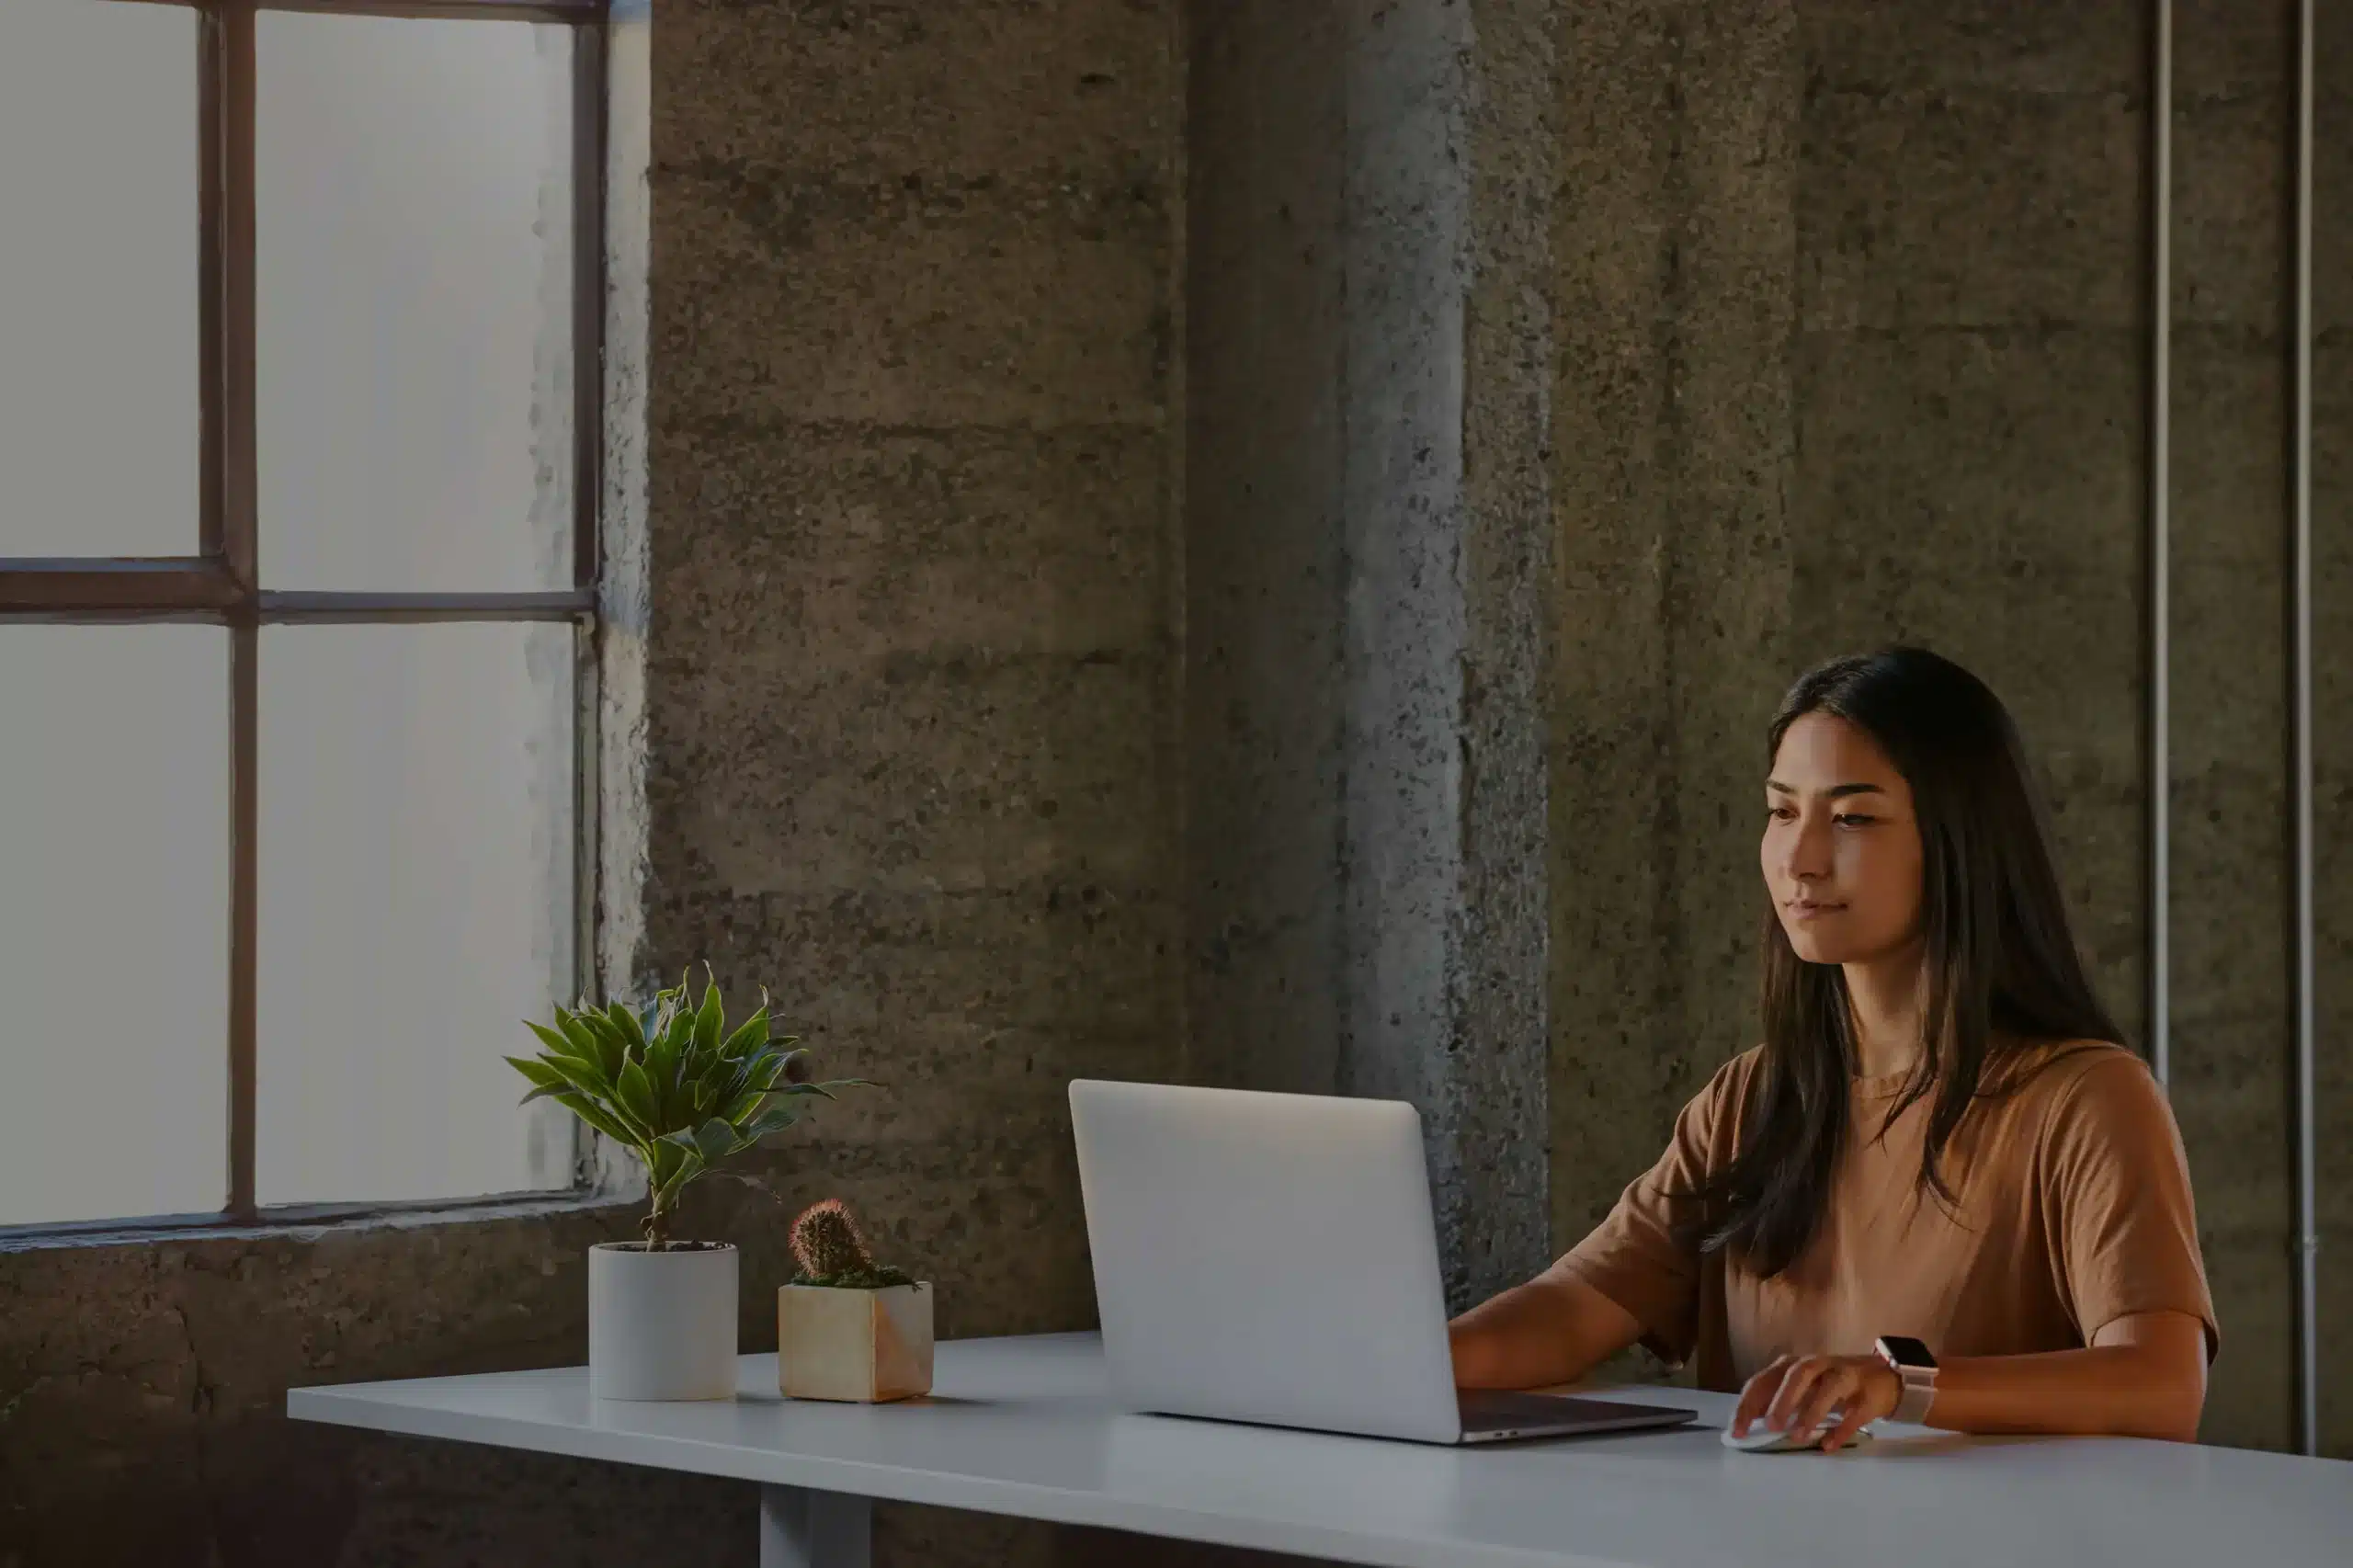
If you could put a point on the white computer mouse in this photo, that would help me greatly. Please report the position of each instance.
(1763, 1439)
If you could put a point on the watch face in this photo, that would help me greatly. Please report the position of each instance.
(1907, 1351)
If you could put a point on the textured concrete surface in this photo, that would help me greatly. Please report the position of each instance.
(2232, 1031)
(1405, 614)
(2333, 705)
(1501, 1054)
(914, 663)
(141, 1387)
(1672, 443)
(1265, 559)
(1364, 613)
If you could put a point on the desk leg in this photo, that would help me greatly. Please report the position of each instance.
(801, 1528)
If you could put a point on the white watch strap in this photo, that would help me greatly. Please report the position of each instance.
(1919, 1392)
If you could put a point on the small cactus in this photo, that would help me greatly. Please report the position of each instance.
(825, 1241)
(831, 1251)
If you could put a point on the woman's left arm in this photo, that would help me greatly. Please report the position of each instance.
(2142, 1376)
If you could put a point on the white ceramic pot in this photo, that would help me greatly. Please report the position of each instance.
(661, 1325)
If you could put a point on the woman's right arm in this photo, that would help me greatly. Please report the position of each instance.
(1554, 1329)
(1636, 1276)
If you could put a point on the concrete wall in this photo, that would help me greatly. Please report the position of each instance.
(2232, 1031)
(1365, 540)
(1673, 441)
(913, 677)
(2333, 697)
(1853, 308)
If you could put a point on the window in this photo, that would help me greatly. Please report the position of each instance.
(300, 317)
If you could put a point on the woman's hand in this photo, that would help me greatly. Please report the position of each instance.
(1795, 1392)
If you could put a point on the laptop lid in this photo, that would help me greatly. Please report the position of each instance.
(1266, 1257)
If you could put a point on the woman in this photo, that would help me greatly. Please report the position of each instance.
(1939, 1141)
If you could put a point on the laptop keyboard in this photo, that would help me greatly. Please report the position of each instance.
(1484, 1411)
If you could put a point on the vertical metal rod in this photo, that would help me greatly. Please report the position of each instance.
(239, 524)
(2160, 977)
(211, 222)
(240, 528)
(588, 113)
(590, 98)
(214, 141)
(2300, 720)
(245, 816)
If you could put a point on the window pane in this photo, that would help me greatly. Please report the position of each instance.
(417, 870)
(114, 921)
(415, 296)
(98, 360)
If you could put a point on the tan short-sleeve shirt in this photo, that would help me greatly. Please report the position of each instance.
(2071, 1210)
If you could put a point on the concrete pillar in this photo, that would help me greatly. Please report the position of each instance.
(1366, 559)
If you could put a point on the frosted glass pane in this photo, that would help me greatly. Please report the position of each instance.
(100, 373)
(114, 921)
(415, 296)
(417, 870)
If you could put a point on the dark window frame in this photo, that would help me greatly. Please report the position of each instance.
(220, 584)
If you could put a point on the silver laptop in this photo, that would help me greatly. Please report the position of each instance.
(1271, 1258)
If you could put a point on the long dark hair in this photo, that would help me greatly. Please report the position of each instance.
(2001, 969)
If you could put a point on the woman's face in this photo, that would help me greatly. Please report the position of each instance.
(1841, 852)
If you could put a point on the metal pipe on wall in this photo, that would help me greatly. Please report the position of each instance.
(2160, 975)
(2301, 725)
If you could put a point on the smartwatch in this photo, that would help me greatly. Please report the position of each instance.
(1917, 1368)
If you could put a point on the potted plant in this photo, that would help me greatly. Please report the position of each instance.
(673, 1085)
(848, 1327)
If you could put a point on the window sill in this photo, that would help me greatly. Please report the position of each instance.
(309, 1221)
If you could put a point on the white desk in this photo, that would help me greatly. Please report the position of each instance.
(1022, 1426)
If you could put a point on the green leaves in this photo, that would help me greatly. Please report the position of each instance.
(668, 1081)
(597, 1117)
(776, 1118)
(710, 1020)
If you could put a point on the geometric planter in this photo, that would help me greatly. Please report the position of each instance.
(661, 1325)
(865, 1346)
